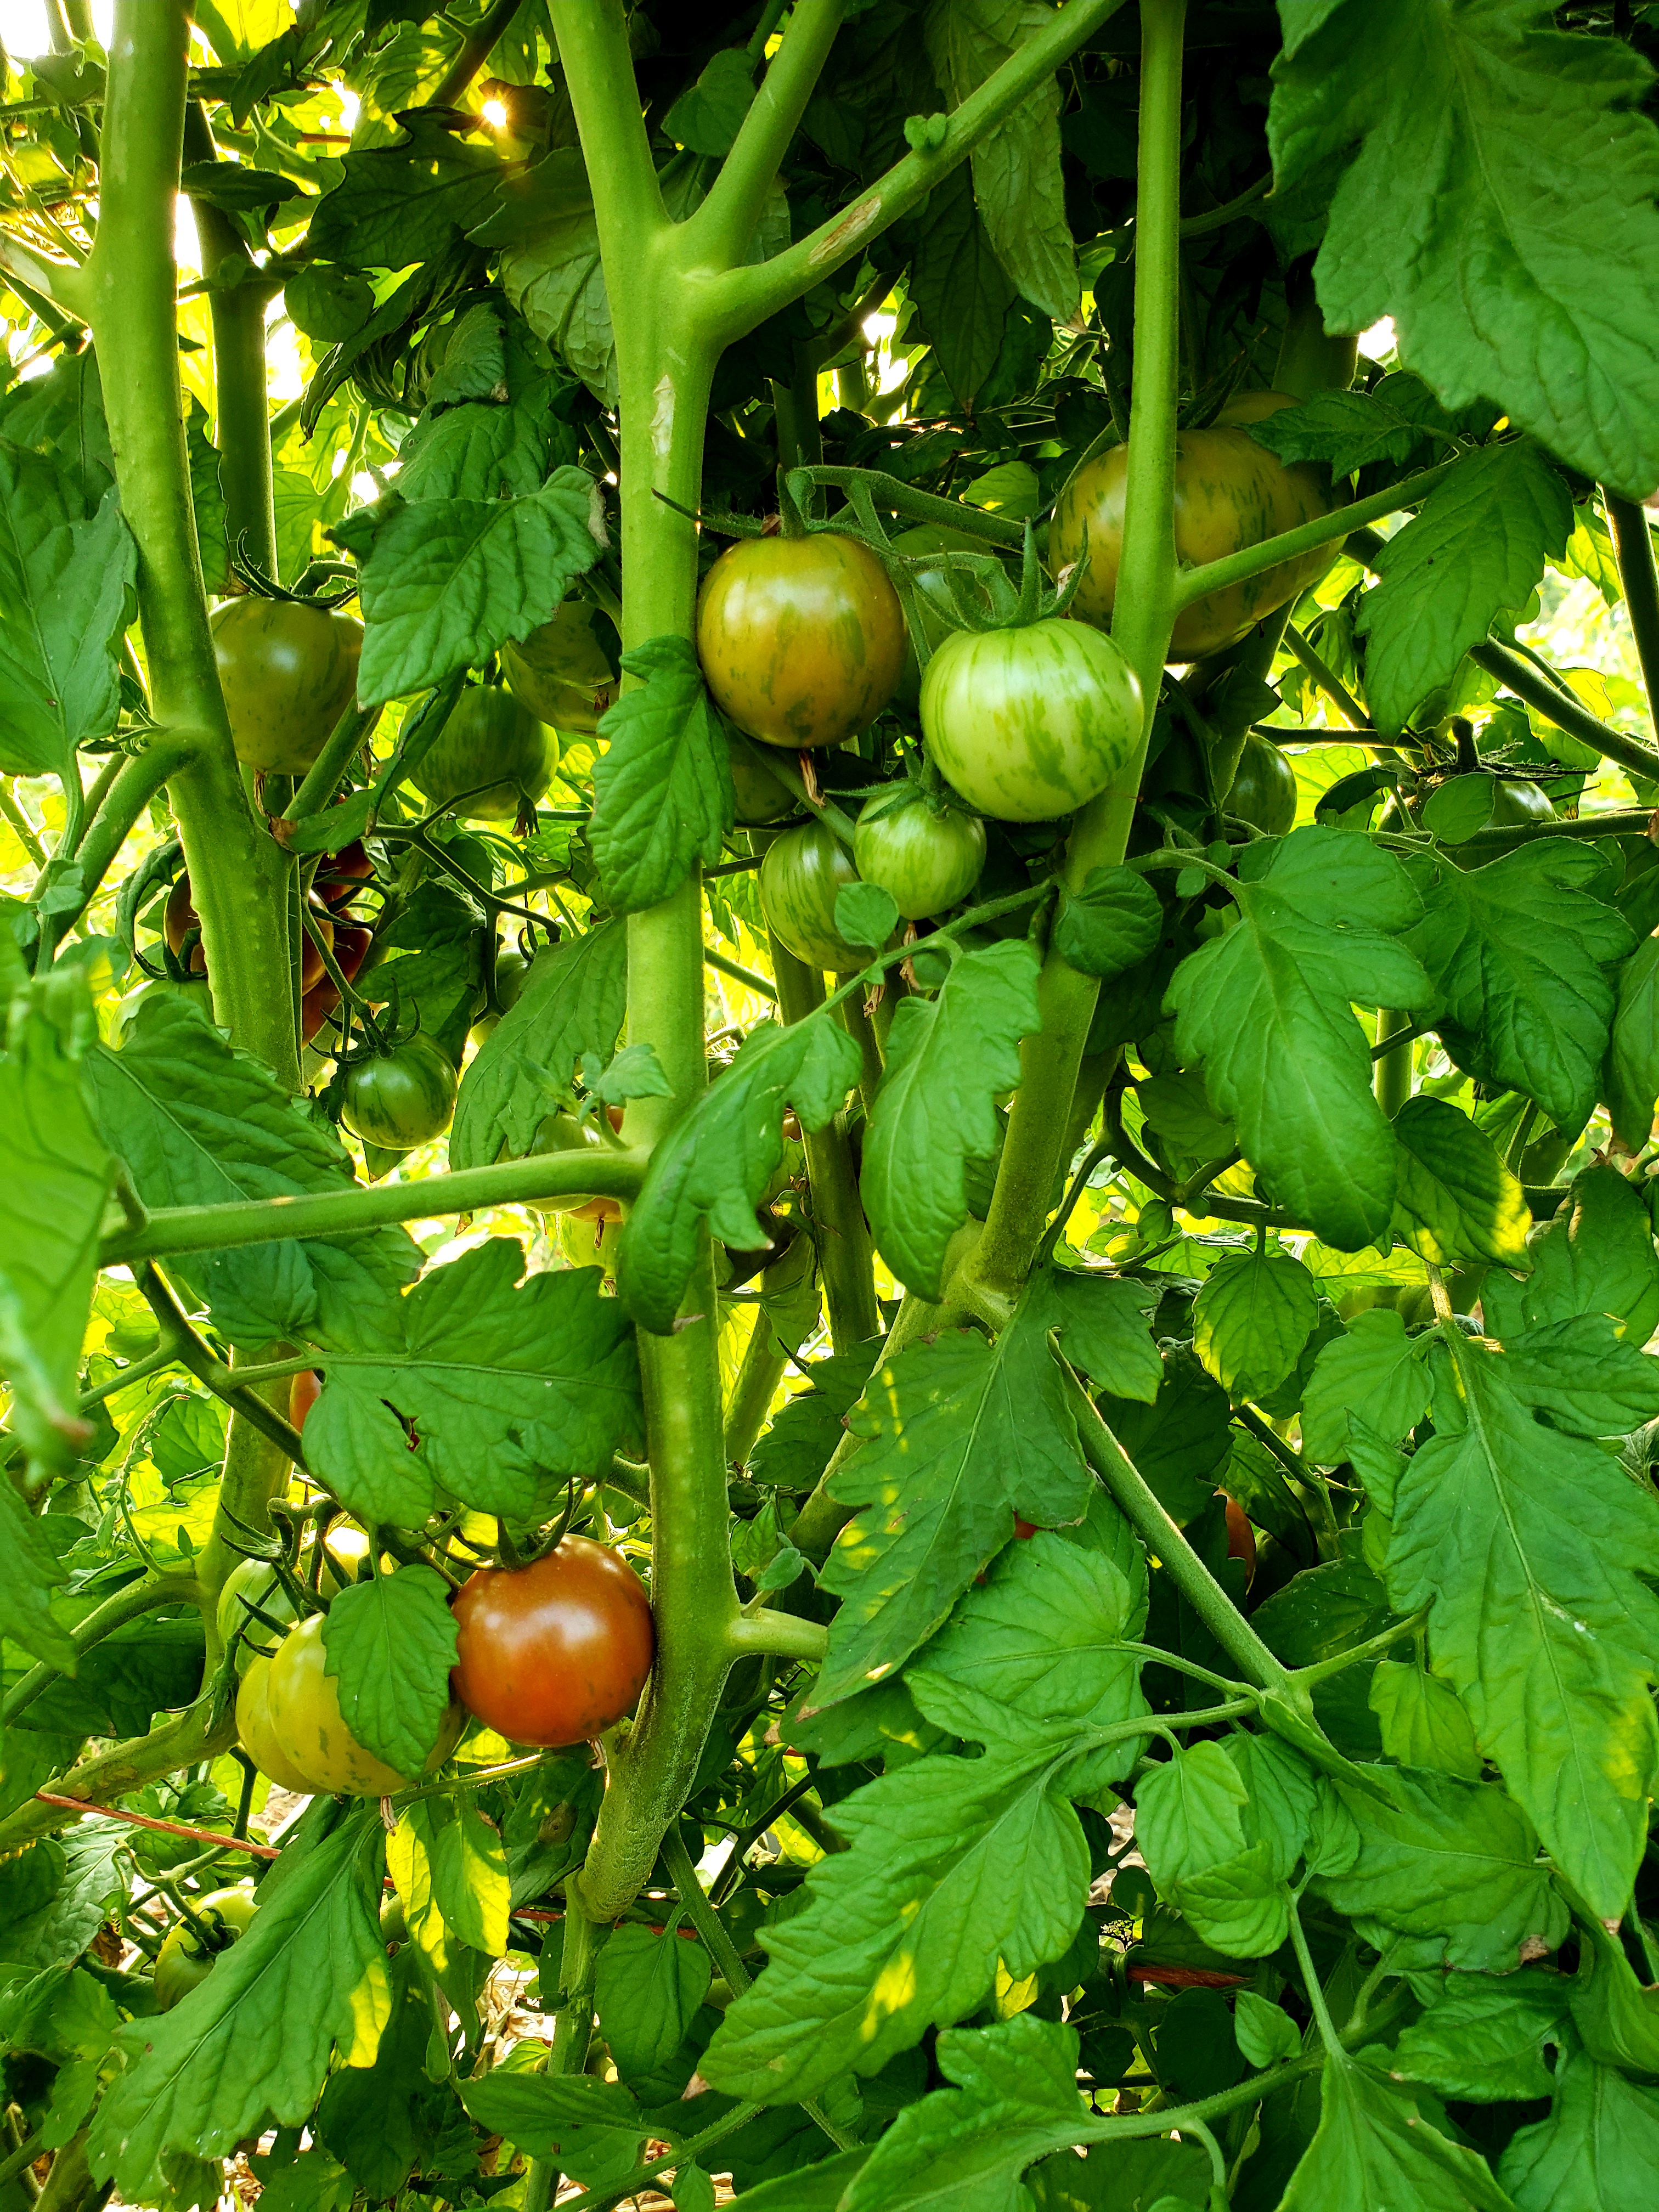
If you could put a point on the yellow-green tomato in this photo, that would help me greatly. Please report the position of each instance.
(256, 1583)
(303, 1704)
(287, 672)
(1028, 724)
(1229, 493)
(491, 758)
(183, 1959)
(801, 639)
(801, 877)
(589, 1235)
(258, 1739)
(560, 671)
(924, 861)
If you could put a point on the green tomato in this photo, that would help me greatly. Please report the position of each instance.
(287, 672)
(1263, 791)
(560, 671)
(563, 1133)
(494, 750)
(1519, 799)
(1030, 724)
(803, 871)
(511, 968)
(924, 861)
(801, 639)
(184, 1962)
(589, 1235)
(254, 1582)
(401, 1098)
(761, 798)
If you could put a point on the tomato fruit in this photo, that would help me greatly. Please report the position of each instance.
(341, 875)
(924, 861)
(179, 918)
(259, 1737)
(561, 1131)
(1241, 1538)
(1029, 724)
(555, 1652)
(1517, 798)
(256, 1581)
(1465, 805)
(184, 1960)
(401, 1098)
(303, 1707)
(801, 639)
(761, 798)
(803, 871)
(287, 672)
(1229, 493)
(493, 751)
(589, 1235)
(560, 671)
(1263, 791)
(303, 1392)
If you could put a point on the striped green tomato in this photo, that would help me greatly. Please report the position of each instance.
(560, 671)
(924, 861)
(802, 875)
(801, 639)
(1263, 791)
(401, 1098)
(287, 672)
(1229, 493)
(492, 756)
(1029, 724)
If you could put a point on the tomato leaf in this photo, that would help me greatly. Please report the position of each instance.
(1479, 545)
(864, 913)
(648, 1988)
(1449, 129)
(947, 1060)
(713, 1166)
(511, 1387)
(1267, 2034)
(449, 582)
(391, 1642)
(1349, 430)
(1268, 1007)
(1190, 1823)
(1630, 1084)
(1534, 1545)
(544, 223)
(1111, 925)
(1251, 1319)
(199, 1124)
(398, 204)
(1375, 1372)
(1421, 1722)
(1600, 2143)
(254, 2043)
(1595, 1256)
(1485, 2041)
(706, 117)
(1178, 1435)
(571, 1005)
(1374, 2145)
(1455, 1201)
(662, 788)
(451, 1870)
(957, 287)
(66, 584)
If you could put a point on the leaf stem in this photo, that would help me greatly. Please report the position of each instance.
(1308, 537)
(1313, 1989)
(1372, 1648)
(146, 1594)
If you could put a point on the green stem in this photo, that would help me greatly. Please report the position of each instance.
(1326, 680)
(1632, 541)
(238, 878)
(841, 1231)
(1308, 537)
(1142, 619)
(20, 822)
(1374, 1647)
(727, 304)
(124, 1767)
(242, 429)
(345, 741)
(593, 2200)
(1313, 1989)
(747, 976)
(723, 227)
(475, 51)
(1393, 1076)
(194, 1353)
(146, 1595)
(753, 1388)
(783, 1635)
(354, 1209)
(135, 783)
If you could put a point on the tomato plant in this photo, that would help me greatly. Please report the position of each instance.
(1111, 1320)
(801, 639)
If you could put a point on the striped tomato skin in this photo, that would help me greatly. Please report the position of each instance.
(801, 639)
(1029, 724)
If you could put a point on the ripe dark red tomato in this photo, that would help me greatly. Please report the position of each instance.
(303, 1393)
(179, 918)
(801, 639)
(340, 874)
(555, 1652)
(1241, 1538)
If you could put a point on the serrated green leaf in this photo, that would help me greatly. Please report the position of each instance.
(480, 451)
(1582, 1377)
(449, 582)
(1346, 430)
(713, 1166)
(1376, 1372)
(395, 205)
(864, 913)
(960, 294)
(1189, 1813)
(450, 1866)
(1485, 2039)
(948, 1059)
(1596, 1256)
(1104, 1324)
(1454, 1860)
(1451, 126)
(571, 1005)
(1479, 545)
(708, 116)
(1375, 2147)
(954, 1864)
(1630, 1084)
(1531, 1545)
(254, 2041)
(66, 580)
(1455, 1201)
(1598, 2146)
(1251, 1319)
(648, 1987)
(594, 2130)
(1421, 1722)
(1267, 2034)
(1181, 1439)
(511, 1386)
(1268, 1007)
(1516, 952)
(390, 1642)
(662, 788)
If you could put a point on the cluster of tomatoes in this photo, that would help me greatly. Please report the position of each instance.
(803, 642)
